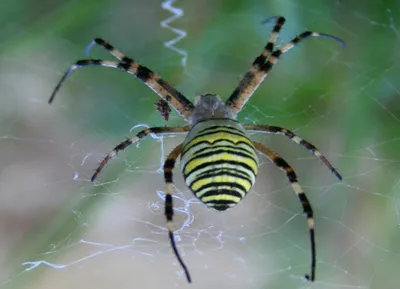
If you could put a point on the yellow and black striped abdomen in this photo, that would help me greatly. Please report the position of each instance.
(219, 162)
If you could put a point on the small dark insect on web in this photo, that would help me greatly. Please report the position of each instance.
(163, 108)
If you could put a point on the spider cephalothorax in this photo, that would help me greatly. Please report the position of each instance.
(218, 159)
(208, 106)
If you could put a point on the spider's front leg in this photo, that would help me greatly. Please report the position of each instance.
(263, 64)
(167, 92)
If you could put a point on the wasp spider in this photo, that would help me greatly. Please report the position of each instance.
(218, 160)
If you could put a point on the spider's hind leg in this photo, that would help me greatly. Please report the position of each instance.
(169, 210)
(284, 166)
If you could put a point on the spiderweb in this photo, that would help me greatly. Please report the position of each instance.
(59, 230)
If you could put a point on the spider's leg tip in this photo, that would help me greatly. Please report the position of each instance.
(308, 278)
(89, 47)
(339, 176)
(341, 42)
(93, 178)
(269, 20)
(51, 99)
(337, 39)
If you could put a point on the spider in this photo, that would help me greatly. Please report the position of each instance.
(218, 160)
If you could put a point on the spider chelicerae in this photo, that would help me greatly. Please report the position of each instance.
(218, 160)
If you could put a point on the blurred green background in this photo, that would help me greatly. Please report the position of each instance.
(58, 230)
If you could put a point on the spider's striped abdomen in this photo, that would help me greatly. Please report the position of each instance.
(219, 162)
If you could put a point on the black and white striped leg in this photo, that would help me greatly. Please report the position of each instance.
(254, 76)
(263, 64)
(169, 209)
(167, 92)
(309, 146)
(283, 165)
(81, 63)
(136, 138)
(274, 57)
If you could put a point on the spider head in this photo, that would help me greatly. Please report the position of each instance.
(209, 106)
